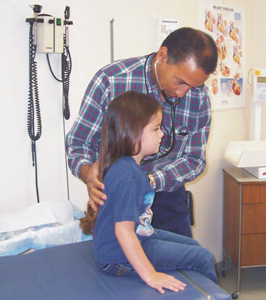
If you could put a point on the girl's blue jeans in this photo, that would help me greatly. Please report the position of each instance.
(168, 251)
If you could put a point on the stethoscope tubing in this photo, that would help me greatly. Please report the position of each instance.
(173, 108)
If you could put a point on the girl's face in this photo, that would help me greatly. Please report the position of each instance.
(151, 137)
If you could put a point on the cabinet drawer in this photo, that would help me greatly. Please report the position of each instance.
(253, 250)
(254, 193)
(254, 218)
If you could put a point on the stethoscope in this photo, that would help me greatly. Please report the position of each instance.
(170, 136)
(166, 98)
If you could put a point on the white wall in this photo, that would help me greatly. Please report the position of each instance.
(260, 49)
(135, 28)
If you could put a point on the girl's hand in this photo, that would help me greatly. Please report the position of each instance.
(160, 281)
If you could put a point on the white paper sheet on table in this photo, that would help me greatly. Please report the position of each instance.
(39, 214)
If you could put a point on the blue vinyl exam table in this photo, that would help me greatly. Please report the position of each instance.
(69, 272)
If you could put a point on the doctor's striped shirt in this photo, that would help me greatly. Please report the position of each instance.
(192, 123)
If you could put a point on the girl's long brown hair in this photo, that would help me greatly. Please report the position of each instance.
(123, 124)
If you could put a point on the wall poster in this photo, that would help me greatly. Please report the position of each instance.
(226, 25)
(165, 27)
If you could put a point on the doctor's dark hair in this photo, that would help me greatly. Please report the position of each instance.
(123, 124)
(124, 121)
(186, 43)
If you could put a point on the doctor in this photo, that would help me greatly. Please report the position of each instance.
(175, 77)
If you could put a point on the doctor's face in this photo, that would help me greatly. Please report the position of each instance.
(177, 80)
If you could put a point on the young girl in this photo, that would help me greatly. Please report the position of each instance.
(125, 243)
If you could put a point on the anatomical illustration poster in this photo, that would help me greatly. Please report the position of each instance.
(226, 25)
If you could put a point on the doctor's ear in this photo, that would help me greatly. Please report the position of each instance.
(162, 53)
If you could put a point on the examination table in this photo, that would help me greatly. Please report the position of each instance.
(69, 272)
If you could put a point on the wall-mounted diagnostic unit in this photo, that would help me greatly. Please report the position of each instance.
(50, 35)
(47, 35)
(258, 97)
(259, 85)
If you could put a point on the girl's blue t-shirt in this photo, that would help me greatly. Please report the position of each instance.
(129, 198)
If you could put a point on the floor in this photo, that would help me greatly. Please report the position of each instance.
(253, 283)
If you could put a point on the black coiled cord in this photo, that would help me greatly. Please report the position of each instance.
(33, 103)
(66, 70)
(33, 106)
(66, 64)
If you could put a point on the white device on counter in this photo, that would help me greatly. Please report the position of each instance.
(250, 155)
